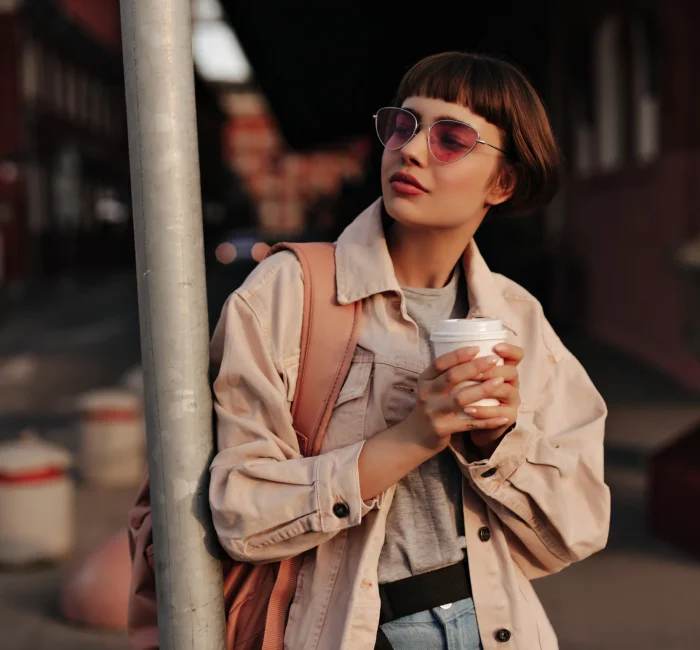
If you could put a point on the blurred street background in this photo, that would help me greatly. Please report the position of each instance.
(285, 97)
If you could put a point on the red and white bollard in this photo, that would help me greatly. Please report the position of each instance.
(112, 438)
(37, 502)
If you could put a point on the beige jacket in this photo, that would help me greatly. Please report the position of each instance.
(546, 505)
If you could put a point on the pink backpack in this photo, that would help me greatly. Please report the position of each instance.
(257, 597)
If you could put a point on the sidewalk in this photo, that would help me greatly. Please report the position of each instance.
(61, 340)
(29, 599)
(57, 342)
(638, 594)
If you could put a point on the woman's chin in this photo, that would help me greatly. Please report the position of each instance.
(419, 215)
(405, 210)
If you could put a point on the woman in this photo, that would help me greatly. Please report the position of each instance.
(427, 527)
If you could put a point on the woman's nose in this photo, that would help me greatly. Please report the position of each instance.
(416, 151)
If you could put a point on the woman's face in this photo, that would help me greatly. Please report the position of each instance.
(453, 194)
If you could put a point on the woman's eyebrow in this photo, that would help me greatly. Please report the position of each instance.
(413, 112)
(419, 117)
(449, 117)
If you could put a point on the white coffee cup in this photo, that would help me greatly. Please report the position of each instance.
(453, 334)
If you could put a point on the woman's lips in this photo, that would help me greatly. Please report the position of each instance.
(406, 184)
(406, 188)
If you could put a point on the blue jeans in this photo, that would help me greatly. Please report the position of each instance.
(451, 627)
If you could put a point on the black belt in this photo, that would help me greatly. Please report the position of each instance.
(421, 592)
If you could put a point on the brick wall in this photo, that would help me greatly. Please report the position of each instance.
(624, 234)
(623, 227)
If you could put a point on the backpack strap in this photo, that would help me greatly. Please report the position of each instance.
(329, 336)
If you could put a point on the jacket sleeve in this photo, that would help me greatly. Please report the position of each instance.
(545, 480)
(268, 502)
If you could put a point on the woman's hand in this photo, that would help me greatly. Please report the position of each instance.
(491, 422)
(439, 411)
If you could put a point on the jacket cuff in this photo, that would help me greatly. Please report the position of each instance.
(340, 504)
(510, 454)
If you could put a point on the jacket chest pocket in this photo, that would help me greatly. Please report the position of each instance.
(399, 398)
(347, 423)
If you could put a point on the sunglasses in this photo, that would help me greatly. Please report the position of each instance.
(448, 140)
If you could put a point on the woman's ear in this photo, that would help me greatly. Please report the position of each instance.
(503, 185)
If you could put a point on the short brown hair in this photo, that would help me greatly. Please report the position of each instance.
(503, 96)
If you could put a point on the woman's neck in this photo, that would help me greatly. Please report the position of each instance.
(425, 258)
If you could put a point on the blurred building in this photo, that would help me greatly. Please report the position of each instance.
(62, 138)
(290, 191)
(287, 187)
(225, 203)
(218, 60)
(626, 99)
(65, 203)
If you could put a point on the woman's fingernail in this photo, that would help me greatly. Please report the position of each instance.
(496, 381)
(492, 359)
(471, 410)
(502, 421)
(500, 346)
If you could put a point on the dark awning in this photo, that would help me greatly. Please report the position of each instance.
(325, 68)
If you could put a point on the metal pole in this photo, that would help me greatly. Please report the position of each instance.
(172, 308)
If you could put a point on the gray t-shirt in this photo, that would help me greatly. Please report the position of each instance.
(425, 525)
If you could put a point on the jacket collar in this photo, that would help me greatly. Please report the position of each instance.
(364, 268)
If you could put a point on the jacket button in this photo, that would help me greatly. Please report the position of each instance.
(489, 472)
(484, 534)
(503, 636)
(341, 510)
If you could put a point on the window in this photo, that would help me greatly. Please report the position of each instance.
(47, 68)
(107, 110)
(71, 91)
(57, 86)
(83, 96)
(582, 99)
(615, 96)
(30, 70)
(646, 89)
(610, 99)
(87, 201)
(36, 198)
(97, 99)
(65, 186)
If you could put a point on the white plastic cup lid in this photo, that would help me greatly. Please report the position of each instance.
(468, 329)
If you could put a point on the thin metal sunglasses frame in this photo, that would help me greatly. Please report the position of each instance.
(416, 130)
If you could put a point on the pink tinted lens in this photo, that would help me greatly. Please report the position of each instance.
(450, 141)
(395, 127)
